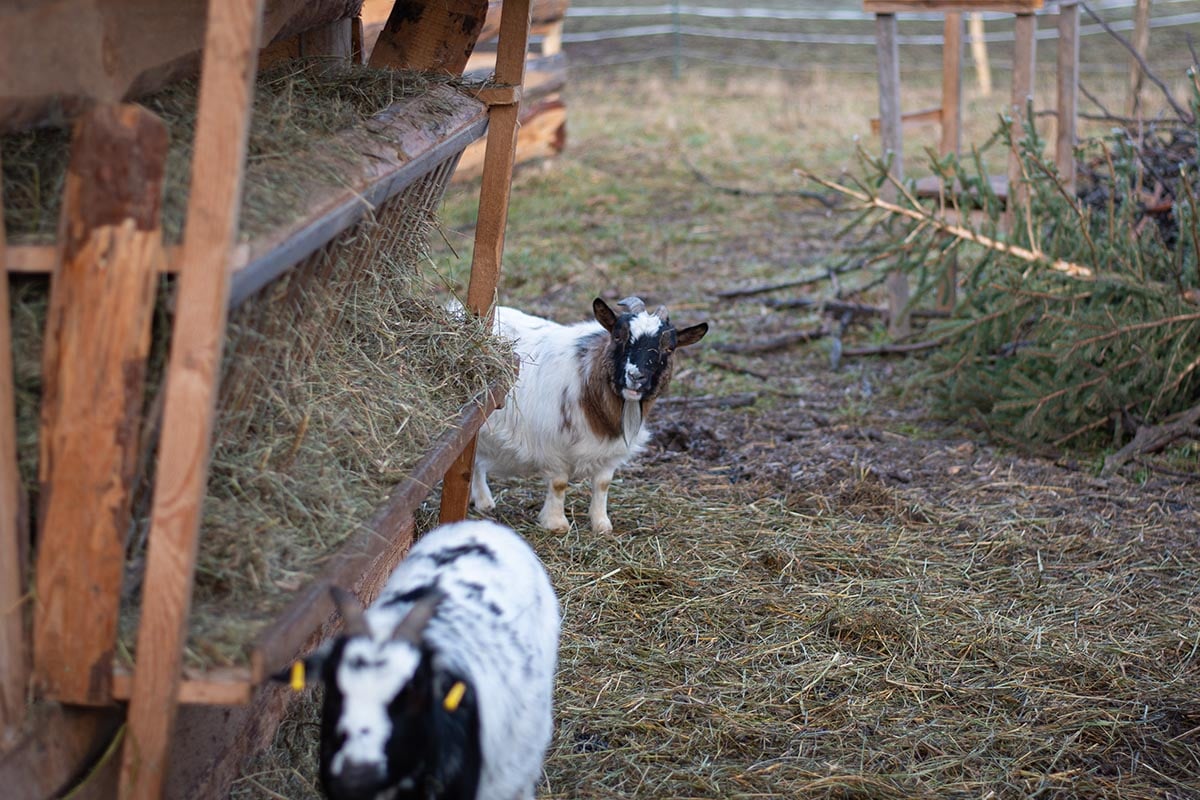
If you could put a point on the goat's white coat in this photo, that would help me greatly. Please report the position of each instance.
(497, 624)
(541, 430)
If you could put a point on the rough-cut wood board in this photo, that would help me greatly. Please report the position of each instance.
(952, 52)
(435, 35)
(59, 745)
(905, 6)
(931, 186)
(57, 54)
(93, 368)
(891, 132)
(222, 130)
(387, 167)
(279, 644)
(14, 649)
(1024, 65)
(923, 116)
(228, 686)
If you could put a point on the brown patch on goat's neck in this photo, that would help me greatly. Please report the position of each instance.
(601, 405)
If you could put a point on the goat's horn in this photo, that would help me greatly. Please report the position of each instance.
(412, 627)
(661, 313)
(632, 304)
(353, 620)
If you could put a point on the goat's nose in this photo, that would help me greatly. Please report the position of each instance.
(357, 779)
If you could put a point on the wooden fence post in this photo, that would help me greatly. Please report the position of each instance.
(14, 650)
(890, 128)
(1140, 42)
(494, 194)
(214, 203)
(428, 34)
(979, 54)
(93, 366)
(1024, 65)
(1068, 92)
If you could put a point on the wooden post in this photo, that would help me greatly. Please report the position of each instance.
(494, 190)
(1024, 63)
(1068, 92)
(1140, 42)
(888, 47)
(951, 142)
(14, 651)
(334, 40)
(93, 365)
(979, 54)
(214, 201)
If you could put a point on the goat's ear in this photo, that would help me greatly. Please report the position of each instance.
(692, 334)
(354, 622)
(304, 672)
(604, 315)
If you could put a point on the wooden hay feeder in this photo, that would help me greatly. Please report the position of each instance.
(104, 263)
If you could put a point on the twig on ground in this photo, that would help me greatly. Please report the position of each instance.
(857, 309)
(829, 201)
(735, 400)
(1152, 438)
(893, 349)
(728, 367)
(776, 342)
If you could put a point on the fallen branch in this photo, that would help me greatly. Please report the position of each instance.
(725, 365)
(893, 349)
(857, 309)
(1152, 438)
(775, 343)
(735, 400)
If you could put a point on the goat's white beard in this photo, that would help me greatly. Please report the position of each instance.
(631, 420)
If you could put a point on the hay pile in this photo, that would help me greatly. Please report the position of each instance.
(336, 379)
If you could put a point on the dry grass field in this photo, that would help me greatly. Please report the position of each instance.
(816, 588)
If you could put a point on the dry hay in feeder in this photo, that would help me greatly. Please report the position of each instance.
(336, 379)
(298, 107)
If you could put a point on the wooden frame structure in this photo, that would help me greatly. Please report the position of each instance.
(113, 219)
(891, 119)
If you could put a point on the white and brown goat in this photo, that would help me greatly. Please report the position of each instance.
(580, 402)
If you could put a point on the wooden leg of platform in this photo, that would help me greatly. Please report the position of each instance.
(493, 213)
(214, 202)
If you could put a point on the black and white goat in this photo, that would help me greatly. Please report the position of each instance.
(580, 401)
(443, 687)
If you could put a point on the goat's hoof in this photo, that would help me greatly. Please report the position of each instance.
(602, 526)
(486, 507)
(555, 524)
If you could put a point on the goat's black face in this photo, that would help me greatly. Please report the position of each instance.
(642, 346)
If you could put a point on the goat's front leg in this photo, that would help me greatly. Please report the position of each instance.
(598, 511)
(554, 515)
(481, 494)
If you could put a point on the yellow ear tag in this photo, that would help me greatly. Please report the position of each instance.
(298, 676)
(454, 696)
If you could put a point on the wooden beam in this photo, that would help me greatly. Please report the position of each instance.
(1024, 65)
(952, 53)
(214, 201)
(1068, 93)
(1140, 42)
(434, 35)
(910, 6)
(919, 117)
(14, 646)
(230, 686)
(891, 132)
(93, 368)
(334, 40)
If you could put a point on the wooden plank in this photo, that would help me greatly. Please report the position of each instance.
(979, 54)
(543, 134)
(1068, 93)
(43, 259)
(93, 367)
(334, 40)
(14, 647)
(909, 6)
(542, 14)
(58, 57)
(227, 686)
(280, 643)
(1024, 64)
(891, 132)
(435, 35)
(1140, 42)
(226, 87)
(59, 744)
